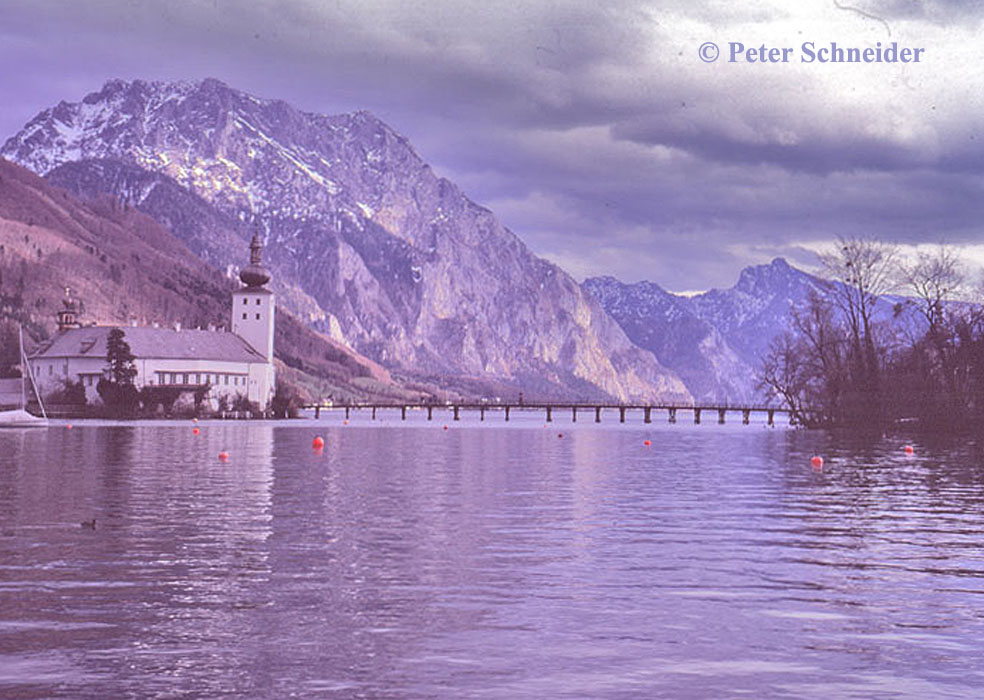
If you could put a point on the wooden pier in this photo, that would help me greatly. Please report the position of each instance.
(549, 409)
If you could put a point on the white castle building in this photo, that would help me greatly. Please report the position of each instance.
(237, 363)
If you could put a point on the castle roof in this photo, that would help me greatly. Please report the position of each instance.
(152, 343)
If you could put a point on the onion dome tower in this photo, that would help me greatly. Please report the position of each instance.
(253, 309)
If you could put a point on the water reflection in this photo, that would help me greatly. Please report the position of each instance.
(486, 562)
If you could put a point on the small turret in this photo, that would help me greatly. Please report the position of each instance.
(68, 315)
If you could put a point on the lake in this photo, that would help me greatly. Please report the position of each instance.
(489, 560)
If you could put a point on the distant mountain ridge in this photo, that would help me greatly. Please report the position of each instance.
(716, 341)
(369, 244)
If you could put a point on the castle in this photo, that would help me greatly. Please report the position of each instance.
(231, 364)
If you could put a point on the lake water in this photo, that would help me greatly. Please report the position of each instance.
(486, 561)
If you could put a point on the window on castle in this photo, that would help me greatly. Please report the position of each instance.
(184, 378)
(257, 317)
(257, 302)
(227, 380)
(245, 300)
(244, 317)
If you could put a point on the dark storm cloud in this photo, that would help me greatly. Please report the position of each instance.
(593, 131)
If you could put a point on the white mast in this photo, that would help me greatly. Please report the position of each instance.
(26, 369)
(20, 342)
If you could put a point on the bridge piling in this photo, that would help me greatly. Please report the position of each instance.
(549, 414)
(346, 413)
(672, 416)
(456, 413)
(621, 414)
(721, 412)
(403, 412)
(697, 416)
(597, 414)
(507, 413)
(772, 415)
(745, 416)
(481, 413)
(648, 415)
(374, 413)
(430, 413)
(573, 414)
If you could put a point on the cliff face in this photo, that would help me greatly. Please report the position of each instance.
(671, 328)
(369, 245)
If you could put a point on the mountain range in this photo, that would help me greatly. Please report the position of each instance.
(367, 244)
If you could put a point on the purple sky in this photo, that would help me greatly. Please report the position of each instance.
(597, 135)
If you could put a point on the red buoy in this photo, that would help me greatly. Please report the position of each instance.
(817, 462)
(195, 431)
(445, 427)
(68, 425)
(560, 435)
(346, 421)
(647, 443)
(908, 449)
(318, 442)
(223, 456)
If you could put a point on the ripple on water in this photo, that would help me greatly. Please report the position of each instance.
(488, 562)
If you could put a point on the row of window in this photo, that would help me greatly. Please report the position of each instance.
(215, 379)
(201, 378)
(245, 315)
(246, 301)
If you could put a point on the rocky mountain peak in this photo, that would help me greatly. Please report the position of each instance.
(775, 277)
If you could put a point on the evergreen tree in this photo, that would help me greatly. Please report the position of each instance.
(122, 367)
(118, 392)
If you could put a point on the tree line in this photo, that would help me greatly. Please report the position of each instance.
(845, 362)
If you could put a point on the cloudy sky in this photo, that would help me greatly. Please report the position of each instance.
(594, 130)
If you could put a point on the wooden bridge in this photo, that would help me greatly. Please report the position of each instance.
(549, 409)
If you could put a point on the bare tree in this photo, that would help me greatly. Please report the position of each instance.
(865, 269)
(805, 367)
(862, 270)
(784, 377)
(935, 279)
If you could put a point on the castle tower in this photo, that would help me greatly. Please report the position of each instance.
(253, 318)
